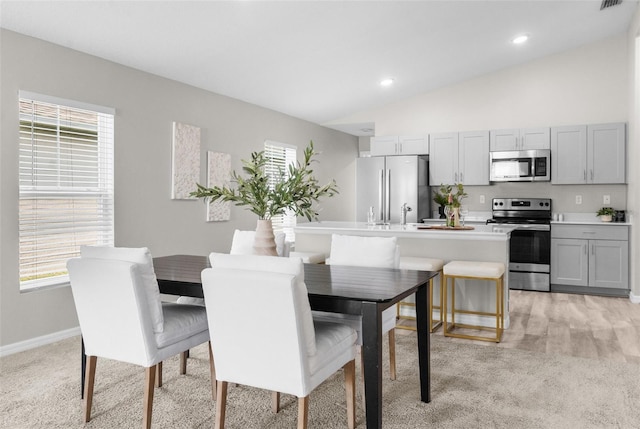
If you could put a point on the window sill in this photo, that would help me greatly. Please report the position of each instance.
(40, 286)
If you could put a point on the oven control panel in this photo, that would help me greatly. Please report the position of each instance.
(522, 204)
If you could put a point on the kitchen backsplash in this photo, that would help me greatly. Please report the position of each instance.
(563, 196)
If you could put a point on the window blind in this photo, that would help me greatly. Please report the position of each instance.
(280, 156)
(66, 187)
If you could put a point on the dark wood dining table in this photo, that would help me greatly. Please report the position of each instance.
(339, 289)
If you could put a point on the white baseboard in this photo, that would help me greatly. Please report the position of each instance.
(38, 341)
(634, 298)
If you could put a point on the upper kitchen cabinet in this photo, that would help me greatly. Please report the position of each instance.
(588, 154)
(399, 145)
(459, 158)
(520, 139)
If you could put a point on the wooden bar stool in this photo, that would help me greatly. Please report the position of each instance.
(424, 264)
(472, 270)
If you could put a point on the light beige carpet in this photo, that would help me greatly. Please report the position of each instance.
(473, 387)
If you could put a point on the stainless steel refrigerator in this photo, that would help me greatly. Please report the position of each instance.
(386, 183)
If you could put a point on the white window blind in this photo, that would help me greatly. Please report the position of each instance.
(280, 156)
(66, 186)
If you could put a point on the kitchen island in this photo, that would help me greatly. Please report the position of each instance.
(482, 243)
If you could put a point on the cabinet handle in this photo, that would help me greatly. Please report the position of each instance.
(593, 249)
(461, 177)
(400, 146)
(396, 149)
(584, 175)
(591, 175)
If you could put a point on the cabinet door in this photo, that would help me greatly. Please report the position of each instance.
(569, 155)
(384, 145)
(535, 138)
(503, 140)
(417, 145)
(443, 159)
(473, 158)
(569, 262)
(609, 264)
(606, 153)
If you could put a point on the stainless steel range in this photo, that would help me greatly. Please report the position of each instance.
(530, 249)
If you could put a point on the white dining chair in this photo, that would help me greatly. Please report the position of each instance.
(121, 317)
(276, 345)
(381, 252)
(242, 244)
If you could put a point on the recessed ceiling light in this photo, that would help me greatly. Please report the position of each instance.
(386, 82)
(520, 39)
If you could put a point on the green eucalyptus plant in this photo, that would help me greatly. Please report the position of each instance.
(441, 195)
(295, 188)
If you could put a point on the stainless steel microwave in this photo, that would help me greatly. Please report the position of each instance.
(521, 166)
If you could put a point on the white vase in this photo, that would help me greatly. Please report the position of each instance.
(264, 242)
(605, 218)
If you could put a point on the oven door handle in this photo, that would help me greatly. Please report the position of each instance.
(533, 227)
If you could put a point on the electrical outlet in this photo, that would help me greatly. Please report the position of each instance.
(481, 199)
(606, 199)
(578, 199)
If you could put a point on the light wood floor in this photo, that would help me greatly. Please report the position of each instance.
(569, 324)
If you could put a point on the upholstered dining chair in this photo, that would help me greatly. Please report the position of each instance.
(242, 244)
(276, 345)
(121, 317)
(381, 252)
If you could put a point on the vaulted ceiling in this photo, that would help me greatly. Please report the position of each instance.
(318, 60)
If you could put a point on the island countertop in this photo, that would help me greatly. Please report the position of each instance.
(413, 230)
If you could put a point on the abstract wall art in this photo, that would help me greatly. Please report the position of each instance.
(218, 174)
(185, 160)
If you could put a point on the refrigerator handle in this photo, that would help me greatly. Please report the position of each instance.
(381, 196)
(387, 195)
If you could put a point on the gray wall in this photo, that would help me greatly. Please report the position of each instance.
(146, 106)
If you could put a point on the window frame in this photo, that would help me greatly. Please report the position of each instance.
(76, 182)
(287, 221)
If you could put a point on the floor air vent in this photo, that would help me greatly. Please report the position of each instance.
(608, 3)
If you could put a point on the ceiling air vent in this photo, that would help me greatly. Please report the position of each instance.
(608, 3)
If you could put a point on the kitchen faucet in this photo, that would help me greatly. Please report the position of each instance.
(403, 213)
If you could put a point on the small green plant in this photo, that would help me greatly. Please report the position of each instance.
(606, 211)
(296, 188)
(441, 195)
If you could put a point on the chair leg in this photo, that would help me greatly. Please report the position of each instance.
(350, 389)
(212, 370)
(392, 354)
(90, 375)
(183, 363)
(159, 374)
(148, 396)
(275, 402)
(221, 404)
(303, 412)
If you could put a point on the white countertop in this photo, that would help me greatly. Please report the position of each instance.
(480, 231)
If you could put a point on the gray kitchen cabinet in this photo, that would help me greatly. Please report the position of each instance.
(399, 145)
(520, 139)
(591, 256)
(459, 158)
(588, 154)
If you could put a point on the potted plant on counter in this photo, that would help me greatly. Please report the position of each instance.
(606, 214)
(454, 201)
(296, 189)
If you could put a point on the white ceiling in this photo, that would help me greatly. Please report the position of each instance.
(317, 60)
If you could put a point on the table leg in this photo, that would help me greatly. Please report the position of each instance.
(372, 360)
(83, 366)
(424, 342)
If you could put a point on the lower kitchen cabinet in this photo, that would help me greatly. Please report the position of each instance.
(591, 258)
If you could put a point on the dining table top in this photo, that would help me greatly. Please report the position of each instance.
(381, 285)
